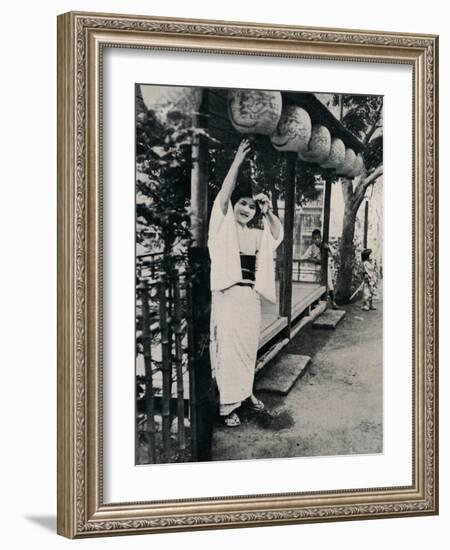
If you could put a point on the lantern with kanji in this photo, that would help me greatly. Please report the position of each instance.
(319, 145)
(254, 111)
(293, 131)
(357, 168)
(347, 165)
(337, 154)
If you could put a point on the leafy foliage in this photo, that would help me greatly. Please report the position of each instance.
(361, 113)
(373, 155)
(163, 154)
(363, 116)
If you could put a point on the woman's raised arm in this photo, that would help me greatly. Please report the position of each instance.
(229, 183)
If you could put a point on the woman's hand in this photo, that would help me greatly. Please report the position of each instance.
(263, 202)
(242, 151)
(274, 223)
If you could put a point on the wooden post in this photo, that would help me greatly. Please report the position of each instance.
(166, 368)
(147, 348)
(199, 177)
(204, 400)
(201, 295)
(288, 243)
(326, 228)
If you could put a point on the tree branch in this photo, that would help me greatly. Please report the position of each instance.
(360, 191)
(373, 175)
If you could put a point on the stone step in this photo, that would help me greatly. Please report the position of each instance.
(329, 319)
(282, 374)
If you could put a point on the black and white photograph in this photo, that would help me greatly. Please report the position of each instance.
(259, 274)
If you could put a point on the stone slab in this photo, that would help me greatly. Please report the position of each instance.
(282, 374)
(329, 319)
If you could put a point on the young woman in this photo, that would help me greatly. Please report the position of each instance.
(242, 270)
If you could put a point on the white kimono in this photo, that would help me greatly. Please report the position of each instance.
(235, 309)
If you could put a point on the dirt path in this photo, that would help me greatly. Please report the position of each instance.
(334, 409)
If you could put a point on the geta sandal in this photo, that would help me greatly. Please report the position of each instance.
(232, 420)
(257, 406)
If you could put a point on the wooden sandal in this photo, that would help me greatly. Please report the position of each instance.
(232, 420)
(258, 406)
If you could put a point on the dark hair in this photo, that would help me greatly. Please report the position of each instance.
(316, 233)
(365, 254)
(240, 191)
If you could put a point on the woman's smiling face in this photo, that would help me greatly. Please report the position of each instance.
(245, 210)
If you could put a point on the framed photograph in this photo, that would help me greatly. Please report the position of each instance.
(247, 274)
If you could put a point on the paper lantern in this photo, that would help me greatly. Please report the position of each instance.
(170, 101)
(293, 131)
(337, 154)
(254, 111)
(357, 167)
(348, 163)
(319, 145)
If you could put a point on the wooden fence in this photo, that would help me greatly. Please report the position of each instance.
(166, 404)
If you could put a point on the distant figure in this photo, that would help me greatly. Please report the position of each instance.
(314, 251)
(242, 270)
(369, 280)
(314, 254)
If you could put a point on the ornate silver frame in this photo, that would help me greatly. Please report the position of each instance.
(81, 37)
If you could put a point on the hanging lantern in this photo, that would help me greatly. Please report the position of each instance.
(357, 167)
(348, 163)
(254, 111)
(293, 131)
(319, 145)
(337, 154)
(171, 102)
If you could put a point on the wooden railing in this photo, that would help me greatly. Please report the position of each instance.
(303, 271)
